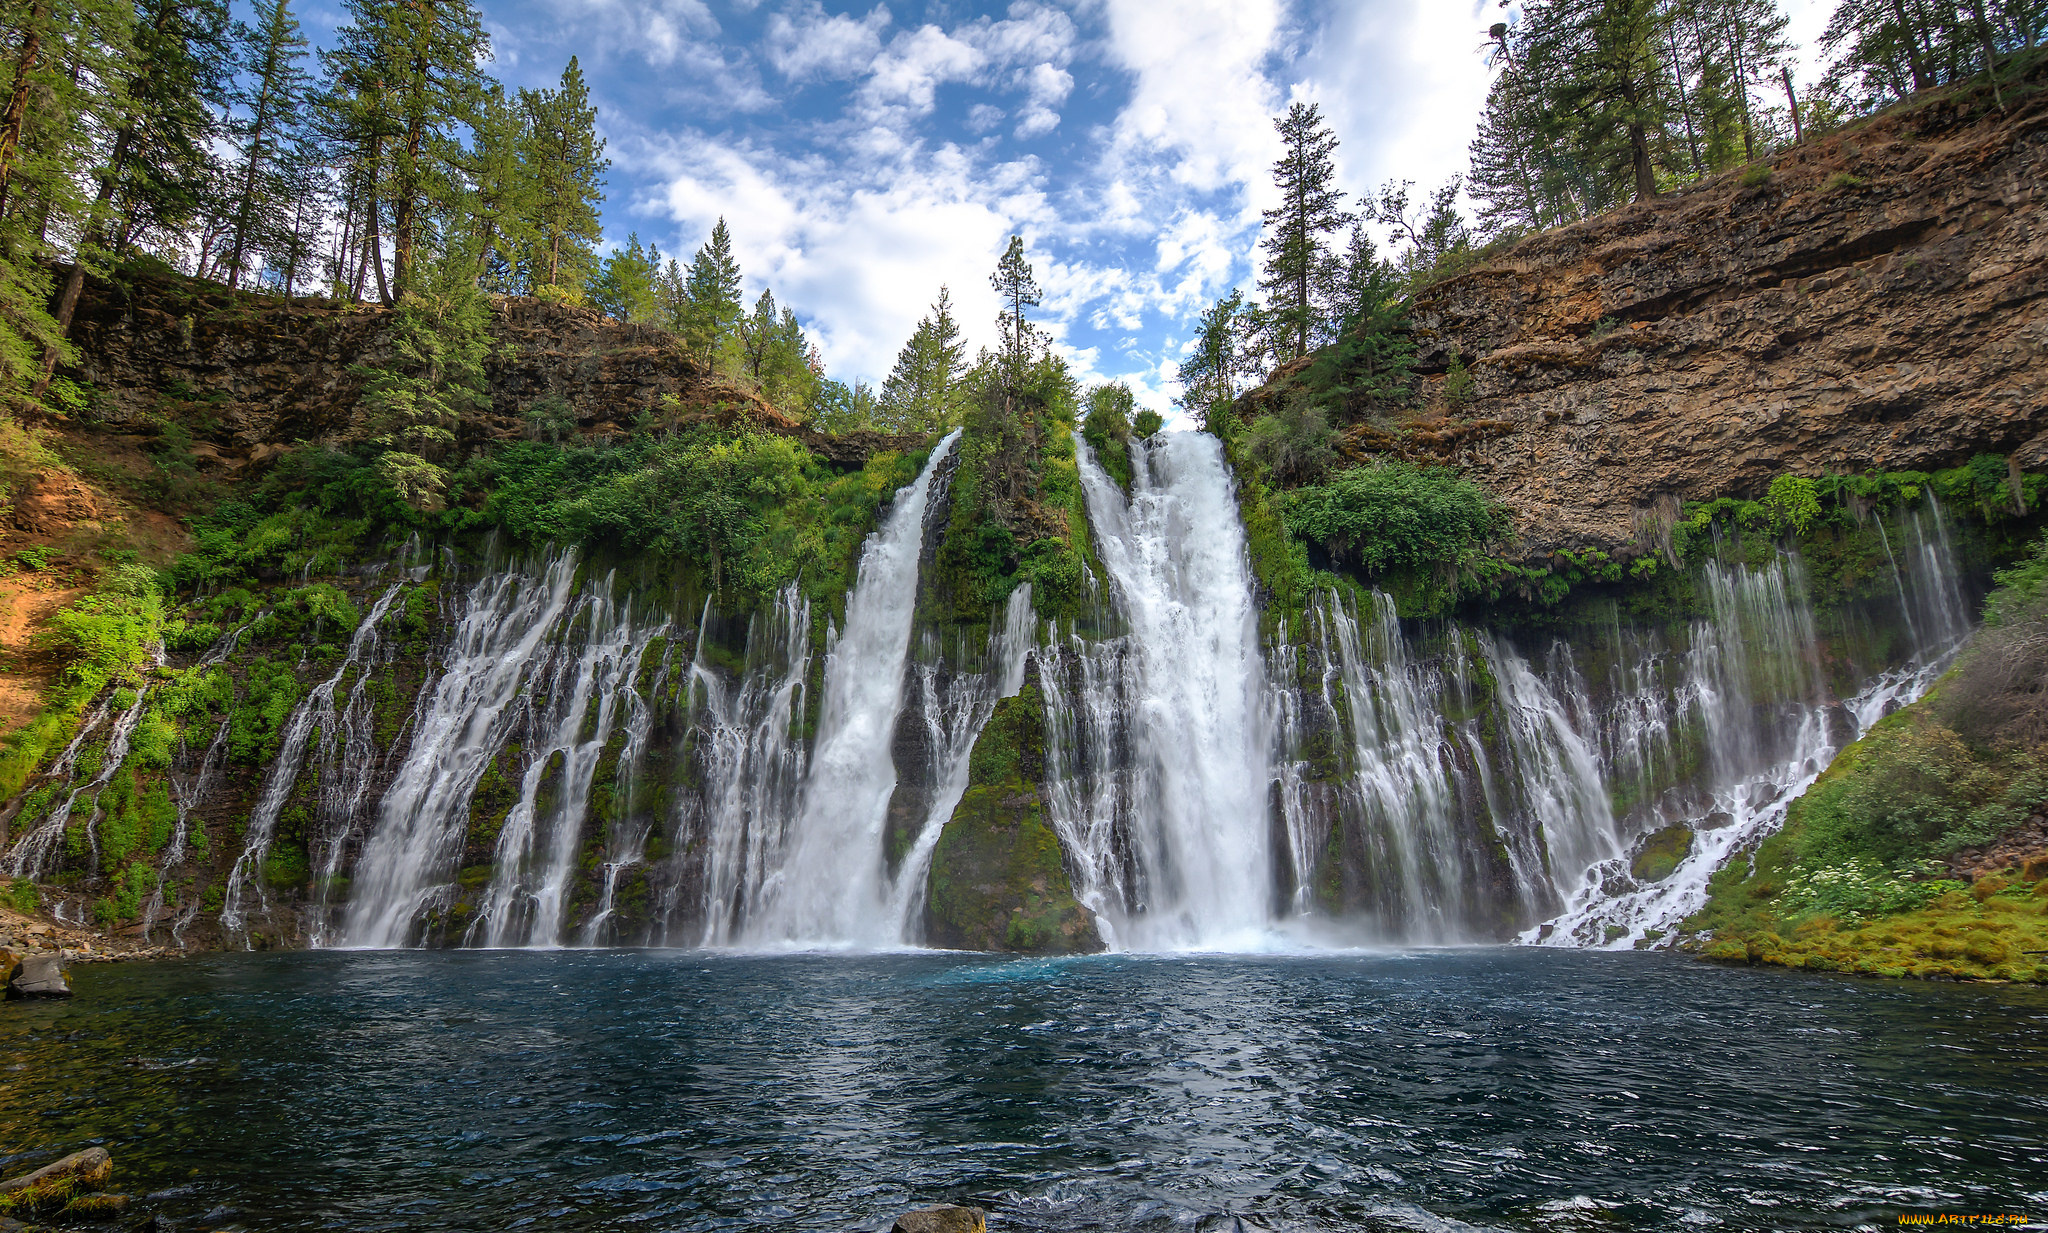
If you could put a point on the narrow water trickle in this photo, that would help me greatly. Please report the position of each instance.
(314, 716)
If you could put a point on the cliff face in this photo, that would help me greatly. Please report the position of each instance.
(272, 374)
(1880, 301)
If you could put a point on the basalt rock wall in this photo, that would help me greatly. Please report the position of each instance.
(254, 373)
(1878, 301)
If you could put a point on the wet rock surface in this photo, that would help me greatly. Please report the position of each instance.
(945, 1218)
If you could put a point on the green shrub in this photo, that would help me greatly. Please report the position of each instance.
(1757, 176)
(1294, 444)
(1856, 889)
(1147, 424)
(1793, 503)
(1459, 387)
(1396, 515)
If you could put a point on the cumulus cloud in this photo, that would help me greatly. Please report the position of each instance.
(907, 75)
(859, 251)
(1201, 101)
(804, 42)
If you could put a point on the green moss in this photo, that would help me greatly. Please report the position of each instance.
(1661, 853)
(998, 879)
(496, 792)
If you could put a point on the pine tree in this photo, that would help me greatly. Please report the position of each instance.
(923, 391)
(1600, 63)
(1018, 290)
(1209, 377)
(59, 62)
(566, 160)
(411, 71)
(499, 228)
(1311, 207)
(624, 286)
(159, 162)
(840, 408)
(269, 110)
(712, 288)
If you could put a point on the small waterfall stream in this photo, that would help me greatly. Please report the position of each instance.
(501, 632)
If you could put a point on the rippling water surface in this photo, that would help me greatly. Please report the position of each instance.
(626, 1090)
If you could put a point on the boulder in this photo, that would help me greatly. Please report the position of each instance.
(1660, 854)
(41, 976)
(945, 1218)
(88, 1168)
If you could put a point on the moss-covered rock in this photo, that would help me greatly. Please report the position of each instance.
(998, 879)
(1661, 853)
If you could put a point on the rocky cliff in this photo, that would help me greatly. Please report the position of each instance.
(1874, 300)
(256, 373)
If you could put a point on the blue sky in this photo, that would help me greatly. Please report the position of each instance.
(863, 154)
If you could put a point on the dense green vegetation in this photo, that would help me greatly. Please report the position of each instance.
(1864, 875)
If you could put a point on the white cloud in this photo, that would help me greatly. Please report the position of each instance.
(907, 75)
(859, 250)
(1032, 32)
(1046, 87)
(1402, 87)
(1200, 97)
(803, 42)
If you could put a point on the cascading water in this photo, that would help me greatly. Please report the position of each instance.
(954, 711)
(571, 704)
(505, 622)
(1188, 683)
(315, 715)
(832, 888)
(1751, 684)
(185, 793)
(751, 765)
(33, 850)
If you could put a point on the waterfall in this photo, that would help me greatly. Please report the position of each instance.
(506, 619)
(1751, 686)
(315, 713)
(626, 843)
(832, 888)
(750, 762)
(1402, 789)
(33, 849)
(570, 705)
(185, 794)
(1189, 685)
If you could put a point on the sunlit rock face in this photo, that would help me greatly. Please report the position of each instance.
(1875, 304)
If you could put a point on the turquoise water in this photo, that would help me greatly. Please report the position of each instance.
(1518, 1089)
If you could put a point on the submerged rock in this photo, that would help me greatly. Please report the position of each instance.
(998, 879)
(945, 1218)
(41, 976)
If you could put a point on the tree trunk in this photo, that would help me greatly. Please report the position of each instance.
(1990, 52)
(1914, 56)
(16, 116)
(259, 128)
(1792, 98)
(1692, 141)
(74, 285)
